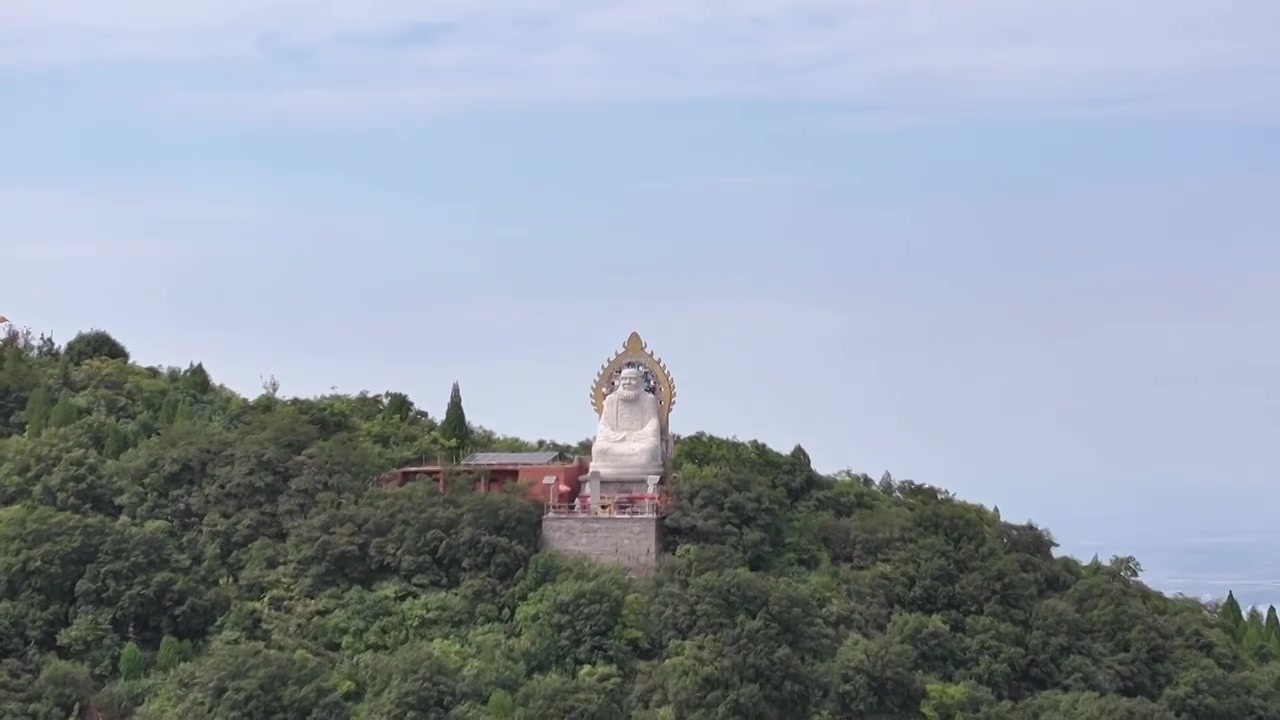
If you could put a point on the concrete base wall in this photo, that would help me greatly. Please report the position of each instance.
(632, 542)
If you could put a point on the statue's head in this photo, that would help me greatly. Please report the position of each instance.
(630, 384)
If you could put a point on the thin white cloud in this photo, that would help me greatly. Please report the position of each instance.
(136, 225)
(374, 57)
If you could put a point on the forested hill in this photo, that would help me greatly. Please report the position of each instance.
(170, 550)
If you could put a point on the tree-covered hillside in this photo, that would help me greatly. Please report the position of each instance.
(170, 550)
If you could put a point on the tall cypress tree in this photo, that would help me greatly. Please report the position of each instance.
(454, 428)
(1273, 626)
(1255, 642)
(1232, 617)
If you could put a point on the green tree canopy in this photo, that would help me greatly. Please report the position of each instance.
(172, 549)
(94, 344)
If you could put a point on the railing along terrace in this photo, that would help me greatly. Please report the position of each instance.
(629, 508)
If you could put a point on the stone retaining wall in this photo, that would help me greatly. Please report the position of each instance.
(633, 542)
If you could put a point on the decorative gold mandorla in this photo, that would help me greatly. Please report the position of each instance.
(635, 350)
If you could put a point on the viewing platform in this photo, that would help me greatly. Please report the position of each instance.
(630, 505)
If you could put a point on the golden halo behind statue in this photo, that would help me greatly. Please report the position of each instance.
(636, 354)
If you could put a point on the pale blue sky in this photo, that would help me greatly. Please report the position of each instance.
(1024, 251)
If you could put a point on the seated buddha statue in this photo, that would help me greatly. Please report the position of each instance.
(628, 439)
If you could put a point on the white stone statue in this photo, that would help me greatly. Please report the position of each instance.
(629, 437)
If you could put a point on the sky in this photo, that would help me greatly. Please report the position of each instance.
(1023, 251)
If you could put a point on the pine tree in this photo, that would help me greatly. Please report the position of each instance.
(454, 429)
(64, 413)
(1273, 627)
(1231, 617)
(39, 407)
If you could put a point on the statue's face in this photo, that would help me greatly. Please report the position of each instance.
(630, 384)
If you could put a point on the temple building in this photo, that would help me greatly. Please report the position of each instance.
(549, 475)
(608, 507)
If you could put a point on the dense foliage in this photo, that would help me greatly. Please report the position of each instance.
(169, 549)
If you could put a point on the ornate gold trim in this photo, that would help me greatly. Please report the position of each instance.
(635, 350)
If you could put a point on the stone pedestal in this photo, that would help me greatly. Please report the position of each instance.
(634, 543)
(611, 485)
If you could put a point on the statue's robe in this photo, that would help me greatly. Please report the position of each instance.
(629, 436)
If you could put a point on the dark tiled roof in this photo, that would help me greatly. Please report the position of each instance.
(545, 457)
